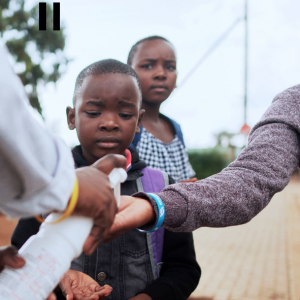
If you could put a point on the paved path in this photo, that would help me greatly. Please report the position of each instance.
(256, 261)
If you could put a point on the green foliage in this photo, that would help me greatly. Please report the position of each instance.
(207, 162)
(31, 48)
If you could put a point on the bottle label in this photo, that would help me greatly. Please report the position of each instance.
(35, 281)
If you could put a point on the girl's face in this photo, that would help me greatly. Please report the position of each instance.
(155, 64)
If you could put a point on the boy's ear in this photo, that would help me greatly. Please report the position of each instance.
(71, 117)
(141, 114)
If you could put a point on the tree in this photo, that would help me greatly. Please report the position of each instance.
(38, 54)
(207, 162)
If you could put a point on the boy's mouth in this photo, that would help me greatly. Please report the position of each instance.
(159, 88)
(108, 142)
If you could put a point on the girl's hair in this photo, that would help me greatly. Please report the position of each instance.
(135, 46)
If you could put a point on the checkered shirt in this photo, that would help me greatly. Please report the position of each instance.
(171, 158)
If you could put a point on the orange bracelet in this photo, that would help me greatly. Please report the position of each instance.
(70, 208)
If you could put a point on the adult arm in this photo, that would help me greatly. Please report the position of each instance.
(235, 195)
(37, 171)
(180, 271)
(238, 193)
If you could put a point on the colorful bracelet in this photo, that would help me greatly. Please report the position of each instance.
(70, 208)
(161, 213)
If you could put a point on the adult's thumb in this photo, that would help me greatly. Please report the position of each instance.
(107, 163)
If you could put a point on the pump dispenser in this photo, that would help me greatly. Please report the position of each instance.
(49, 253)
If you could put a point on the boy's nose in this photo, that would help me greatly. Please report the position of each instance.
(109, 125)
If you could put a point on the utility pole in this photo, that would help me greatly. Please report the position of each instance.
(246, 62)
(245, 128)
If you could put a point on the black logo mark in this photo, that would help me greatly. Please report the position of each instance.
(43, 16)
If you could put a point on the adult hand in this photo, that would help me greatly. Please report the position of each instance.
(141, 297)
(9, 257)
(133, 213)
(76, 285)
(96, 198)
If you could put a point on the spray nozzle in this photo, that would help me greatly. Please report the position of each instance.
(116, 177)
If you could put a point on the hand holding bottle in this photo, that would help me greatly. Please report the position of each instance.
(96, 198)
(49, 253)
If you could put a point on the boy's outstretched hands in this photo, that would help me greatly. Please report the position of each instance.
(76, 285)
(96, 198)
(133, 213)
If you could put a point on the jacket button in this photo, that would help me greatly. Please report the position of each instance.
(101, 276)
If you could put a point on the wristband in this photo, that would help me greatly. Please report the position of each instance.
(161, 213)
(70, 208)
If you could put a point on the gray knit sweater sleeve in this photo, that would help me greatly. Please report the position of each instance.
(235, 195)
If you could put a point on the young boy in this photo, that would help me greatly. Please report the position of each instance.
(106, 115)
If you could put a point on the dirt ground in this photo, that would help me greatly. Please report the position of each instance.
(256, 261)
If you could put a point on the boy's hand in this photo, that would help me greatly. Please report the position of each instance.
(141, 297)
(76, 285)
(133, 213)
(96, 198)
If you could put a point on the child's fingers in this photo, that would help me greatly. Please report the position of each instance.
(104, 292)
(93, 297)
(9, 257)
(65, 285)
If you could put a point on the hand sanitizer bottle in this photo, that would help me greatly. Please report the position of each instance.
(49, 253)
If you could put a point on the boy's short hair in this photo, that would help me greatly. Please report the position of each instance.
(135, 46)
(105, 66)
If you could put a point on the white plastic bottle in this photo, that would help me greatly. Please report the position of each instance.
(49, 253)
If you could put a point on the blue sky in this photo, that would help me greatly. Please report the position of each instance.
(212, 99)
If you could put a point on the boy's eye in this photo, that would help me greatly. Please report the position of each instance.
(147, 66)
(93, 114)
(171, 68)
(125, 116)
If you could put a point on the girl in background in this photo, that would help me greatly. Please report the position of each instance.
(160, 142)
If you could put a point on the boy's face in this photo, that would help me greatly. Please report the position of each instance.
(106, 115)
(155, 64)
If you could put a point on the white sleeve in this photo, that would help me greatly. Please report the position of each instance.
(36, 169)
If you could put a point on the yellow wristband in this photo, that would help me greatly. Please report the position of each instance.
(70, 208)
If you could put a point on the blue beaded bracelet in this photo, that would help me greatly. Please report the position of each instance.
(161, 213)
